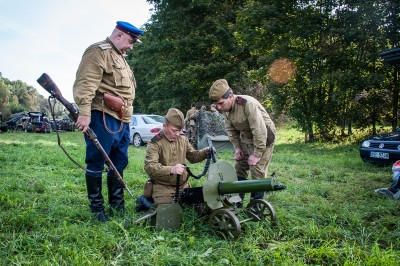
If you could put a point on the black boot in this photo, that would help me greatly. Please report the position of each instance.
(143, 203)
(93, 185)
(395, 186)
(115, 194)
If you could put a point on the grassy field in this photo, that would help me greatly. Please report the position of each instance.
(328, 215)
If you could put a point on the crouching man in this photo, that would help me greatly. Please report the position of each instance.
(166, 155)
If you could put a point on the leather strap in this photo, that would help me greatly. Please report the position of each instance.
(62, 148)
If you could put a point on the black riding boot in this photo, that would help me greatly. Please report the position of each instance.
(143, 203)
(115, 194)
(93, 185)
(241, 195)
(395, 186)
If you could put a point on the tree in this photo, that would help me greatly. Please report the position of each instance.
(187, 45)
(5, 94)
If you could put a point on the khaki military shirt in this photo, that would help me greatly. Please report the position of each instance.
(249, 123)
(103, 69)
(190, 113)
(162, 155)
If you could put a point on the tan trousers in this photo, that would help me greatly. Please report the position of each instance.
(258, 171)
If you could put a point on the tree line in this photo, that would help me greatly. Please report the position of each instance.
(328, 50)
(339, 80)
(17, 96)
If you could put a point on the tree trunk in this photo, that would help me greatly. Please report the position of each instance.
(395, 97)
(349, 129)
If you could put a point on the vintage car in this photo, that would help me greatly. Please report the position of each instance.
(65, 124)
(30, 122)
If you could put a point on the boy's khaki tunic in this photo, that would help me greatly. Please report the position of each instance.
(103, 69)
(250, 128)
(161, 156)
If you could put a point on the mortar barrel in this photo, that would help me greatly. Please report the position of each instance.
(246, 186)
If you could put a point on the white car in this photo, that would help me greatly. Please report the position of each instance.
(144, 127)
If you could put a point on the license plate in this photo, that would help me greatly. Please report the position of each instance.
(380, 155)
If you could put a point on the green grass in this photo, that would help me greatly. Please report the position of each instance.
(328, 215)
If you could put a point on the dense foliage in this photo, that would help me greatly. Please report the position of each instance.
(17, 96)
(333, 45)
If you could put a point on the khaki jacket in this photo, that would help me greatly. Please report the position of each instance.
(249, 123)
(103, 69)
(162, 155)
(190, 113)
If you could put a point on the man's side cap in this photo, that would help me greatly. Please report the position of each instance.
(218, 89)
(175, 117)
(130, 30)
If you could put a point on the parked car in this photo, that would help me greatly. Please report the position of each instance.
(38, 122)
(65, 124)
(30, 122)
(16, 120)
(143, 127)
(382, 148)
(3, 127)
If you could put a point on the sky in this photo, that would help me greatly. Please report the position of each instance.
(50, 36)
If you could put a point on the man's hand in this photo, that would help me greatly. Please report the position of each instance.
(83, 122)
(253, 159)
(178, 169)
(238, 154)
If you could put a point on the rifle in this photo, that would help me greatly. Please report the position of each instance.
(48, 84)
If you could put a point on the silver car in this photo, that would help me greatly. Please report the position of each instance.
(143, 127)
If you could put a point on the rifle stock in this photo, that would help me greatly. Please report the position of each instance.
(49, 85)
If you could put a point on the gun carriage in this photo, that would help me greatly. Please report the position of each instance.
(217, 201)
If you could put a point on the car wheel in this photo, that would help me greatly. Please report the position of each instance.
(137, 140)
(19, 129)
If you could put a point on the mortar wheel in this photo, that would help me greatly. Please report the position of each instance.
(225, 221)
(261, 210)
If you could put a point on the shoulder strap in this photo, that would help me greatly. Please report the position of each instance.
(240, 100)
(105, 46)
(156, 138)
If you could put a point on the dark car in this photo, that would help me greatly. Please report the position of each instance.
(65, 124)
(31, 122)
(381, 149)
(16, 120)
(19, 123)
(38, 122)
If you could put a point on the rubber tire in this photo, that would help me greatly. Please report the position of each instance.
(137, 140)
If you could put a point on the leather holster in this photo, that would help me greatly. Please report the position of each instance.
(148, 189)
(115, 103)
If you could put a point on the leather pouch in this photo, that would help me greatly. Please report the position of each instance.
(115, 103)
(148, 189)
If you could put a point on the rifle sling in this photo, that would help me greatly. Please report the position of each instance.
(59, 141)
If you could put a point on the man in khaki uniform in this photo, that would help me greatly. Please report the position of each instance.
(166, 155)
(103, 72)
(190, 122)
(250, 129)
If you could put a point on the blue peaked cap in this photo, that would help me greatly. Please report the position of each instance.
(130, 29)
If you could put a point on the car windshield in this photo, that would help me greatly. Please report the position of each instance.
(153, 119)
